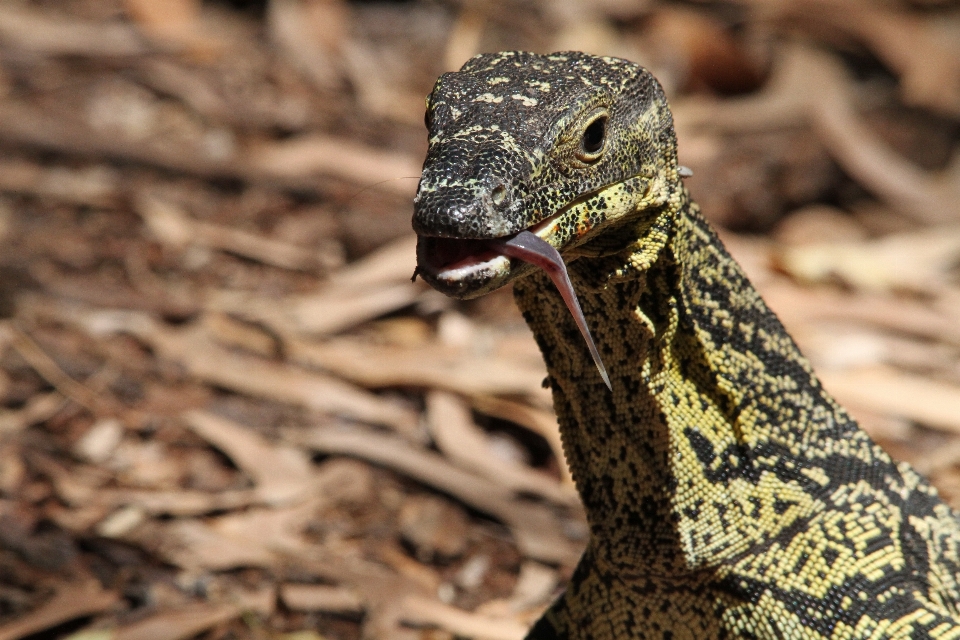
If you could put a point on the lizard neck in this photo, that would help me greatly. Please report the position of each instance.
(708, 391)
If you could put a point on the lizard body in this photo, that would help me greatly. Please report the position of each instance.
(728, 495)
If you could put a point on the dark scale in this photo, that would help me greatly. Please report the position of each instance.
(728, 495)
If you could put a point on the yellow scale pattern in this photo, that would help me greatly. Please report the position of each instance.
(728, 495)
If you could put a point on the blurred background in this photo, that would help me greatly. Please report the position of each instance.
(225, 410)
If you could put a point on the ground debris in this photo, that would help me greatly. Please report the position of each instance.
(227, 412)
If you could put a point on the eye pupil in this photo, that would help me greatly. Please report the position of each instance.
(593, 135)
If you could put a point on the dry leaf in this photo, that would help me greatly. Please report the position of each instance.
(421, 611)
(181, 624)
(71, 601)
(535, 526)
(880, 265)
(317, 597)
(468, 446)
(254, 538)
(282, 474)
(428, 366)
(887, 391)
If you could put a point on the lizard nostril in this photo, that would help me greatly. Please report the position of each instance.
(499, 194)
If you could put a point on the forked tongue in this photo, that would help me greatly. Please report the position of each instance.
(529, 247)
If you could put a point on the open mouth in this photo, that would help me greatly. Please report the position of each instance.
(465, 268)
(452, 254)
(473, 267)
(455, 258)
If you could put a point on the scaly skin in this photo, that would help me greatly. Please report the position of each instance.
(728, 495)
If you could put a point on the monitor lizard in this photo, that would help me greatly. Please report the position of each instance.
(728, 495)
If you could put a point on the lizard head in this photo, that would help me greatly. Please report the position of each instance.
(565, 146)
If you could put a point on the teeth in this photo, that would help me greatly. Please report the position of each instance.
(529, 247)
(465, 267)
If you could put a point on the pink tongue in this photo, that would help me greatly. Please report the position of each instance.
(529, 247)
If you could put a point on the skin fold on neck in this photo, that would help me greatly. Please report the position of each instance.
(650, 457)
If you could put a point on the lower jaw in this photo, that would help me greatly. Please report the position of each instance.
(475, 277)
(468, 280)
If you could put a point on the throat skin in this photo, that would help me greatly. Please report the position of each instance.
(717, 455)
(685, 466)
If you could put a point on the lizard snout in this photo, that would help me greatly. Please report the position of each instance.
(475, 209)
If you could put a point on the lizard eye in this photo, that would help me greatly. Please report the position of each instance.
(593, 138)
